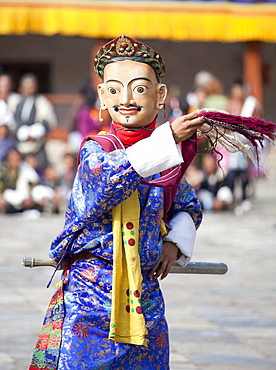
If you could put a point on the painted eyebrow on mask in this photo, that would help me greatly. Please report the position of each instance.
(134, 79)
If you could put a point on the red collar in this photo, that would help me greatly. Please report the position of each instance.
(129, 138)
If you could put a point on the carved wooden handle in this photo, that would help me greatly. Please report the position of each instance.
(35, 262)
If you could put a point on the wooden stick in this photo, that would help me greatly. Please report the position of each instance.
(212, 268)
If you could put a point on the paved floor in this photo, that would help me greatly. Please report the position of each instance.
(216, 322)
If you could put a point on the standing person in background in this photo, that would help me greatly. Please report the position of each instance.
(114, 235)
(35, 117)
(87, 119)
(215, 97)
(7, 92)
(239, 167)
(201, 95)
(201, 80)
(6, 116)
(84, 116)
(241, 102)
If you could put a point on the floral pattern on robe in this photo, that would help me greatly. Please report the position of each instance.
(104, 180)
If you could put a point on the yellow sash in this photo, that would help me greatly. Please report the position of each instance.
(127, 323)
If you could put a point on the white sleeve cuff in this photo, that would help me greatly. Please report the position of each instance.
(155, 154)
(182, 233)
(37, 130)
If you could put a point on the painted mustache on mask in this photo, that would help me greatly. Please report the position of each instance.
(137, 107)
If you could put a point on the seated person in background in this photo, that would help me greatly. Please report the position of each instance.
(32, 160)
(69, 173)
(213, 195)
(48, 194)
(16, 181)
(6, 142)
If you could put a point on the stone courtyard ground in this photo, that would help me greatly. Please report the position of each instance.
(225, 322)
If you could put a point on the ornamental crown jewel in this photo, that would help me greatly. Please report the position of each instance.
(124, 47)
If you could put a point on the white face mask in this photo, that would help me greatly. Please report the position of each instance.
(131, 93)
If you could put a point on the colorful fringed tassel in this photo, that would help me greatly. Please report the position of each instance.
(222, 127)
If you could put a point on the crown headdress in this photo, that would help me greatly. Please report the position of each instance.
(124, 47)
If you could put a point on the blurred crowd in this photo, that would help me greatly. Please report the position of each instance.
(222, 180)
(31, 182)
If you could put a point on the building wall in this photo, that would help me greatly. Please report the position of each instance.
(269, 58)
(69, 59)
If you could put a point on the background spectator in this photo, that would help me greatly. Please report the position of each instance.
(7, 142)
(84, 116)
(7, 92)
(201, 79)
(6, 116)
(240, 102)
(16, 181)
(215, 97)
(35, 116)
(239, 167)
(53, 191)
(69, 172)
(213, 192)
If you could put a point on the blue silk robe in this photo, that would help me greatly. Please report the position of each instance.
(104, 180)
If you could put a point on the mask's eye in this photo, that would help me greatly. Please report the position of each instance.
(112, 90)
(140, 89)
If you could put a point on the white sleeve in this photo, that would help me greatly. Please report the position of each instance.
(45, 111)
(155, 154)
(182, 233)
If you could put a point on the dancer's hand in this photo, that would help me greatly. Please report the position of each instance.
(183, 127)
(163, 266)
